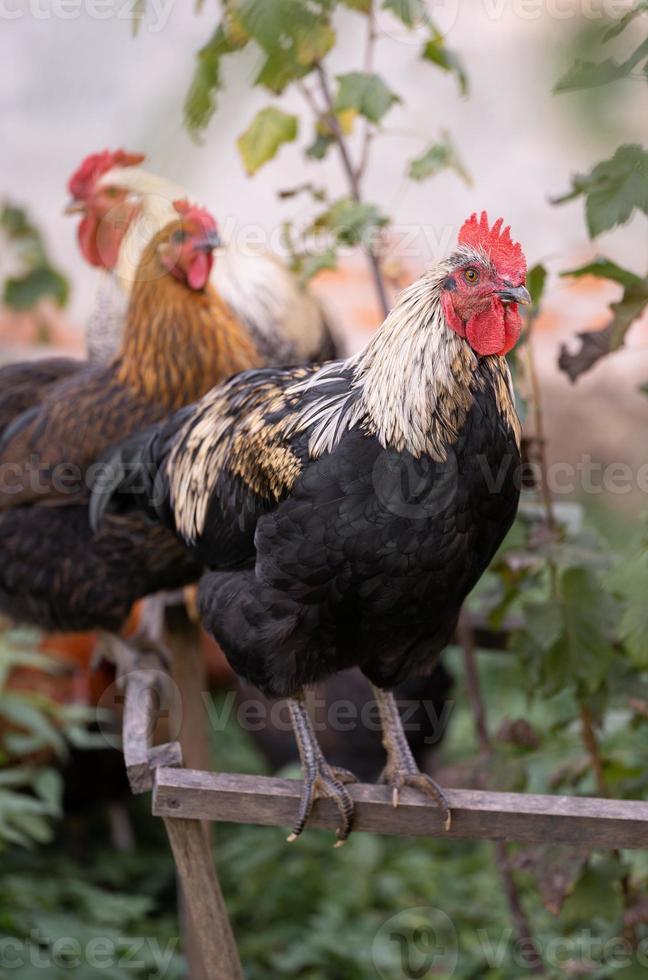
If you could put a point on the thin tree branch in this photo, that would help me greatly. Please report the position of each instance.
(539, 430)
(591, 743)
(368, 67)
(334, 124)
(354, 184)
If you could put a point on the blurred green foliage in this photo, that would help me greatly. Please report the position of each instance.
(292, 39)
(614, 190)
(35, 732)
(309, 912)
(35, 277)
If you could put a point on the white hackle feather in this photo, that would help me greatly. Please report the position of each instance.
(286, 322)
(403, 380)
(412, 388)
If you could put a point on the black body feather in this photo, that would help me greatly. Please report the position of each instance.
(87, 581)
(360, 557)
(23, 385)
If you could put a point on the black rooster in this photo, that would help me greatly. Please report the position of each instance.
(346, 511)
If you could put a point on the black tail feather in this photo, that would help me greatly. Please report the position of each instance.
(130, 478)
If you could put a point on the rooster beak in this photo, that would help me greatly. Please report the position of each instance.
(515, 294)
(74, 207)
(211, 241)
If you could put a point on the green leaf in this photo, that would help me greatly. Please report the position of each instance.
(411, 12)
(588, 74)
(313, 264)
(293, 35)
(536, 279)
(438, 157)
(596, 894)
(629, 580)
(589, 614)
(366, 93)
(43, 282)
(48, 785)
(26, 712)
(595, 344)
(15, 222)
(200, 103)
(269, 130)
(350, 222)
(363, 6)
(613, 189)
(436, 51)
(38, 278)
(604, 268)
(623, 22)
(319, 147)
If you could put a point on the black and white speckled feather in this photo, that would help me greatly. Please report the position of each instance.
(346, 511)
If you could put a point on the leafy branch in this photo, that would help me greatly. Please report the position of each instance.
(32, 276)
(293, 40)
(613, 191)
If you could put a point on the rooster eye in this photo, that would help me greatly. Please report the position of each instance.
(178, 236)
(471, 276)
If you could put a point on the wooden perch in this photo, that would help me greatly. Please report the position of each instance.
(140, 713)
(477, 815)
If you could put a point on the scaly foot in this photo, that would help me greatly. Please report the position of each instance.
(324, 781)
(320, 779)
(401, 769)
(397, 778)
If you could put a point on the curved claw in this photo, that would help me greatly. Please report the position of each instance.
(423, 782)
(344, 775)
(326, 784)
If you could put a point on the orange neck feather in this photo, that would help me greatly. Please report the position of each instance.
(178, 343)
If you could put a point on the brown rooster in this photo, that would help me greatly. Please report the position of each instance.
(179, 339)
(120, 203)
(346, 511)
(24, 385)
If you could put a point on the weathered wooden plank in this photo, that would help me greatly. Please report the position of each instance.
(202, 893)
(477, 815)
(140, 715)
(189, 724)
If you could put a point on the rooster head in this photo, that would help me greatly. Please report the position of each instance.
(187, 244)
(485, 284)
(106, 210)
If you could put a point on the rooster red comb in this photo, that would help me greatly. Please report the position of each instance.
(82, 182)
(192, 212)
(506, 255)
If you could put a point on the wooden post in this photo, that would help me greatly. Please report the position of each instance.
(140, 714)
(209, 943)
(202, 893)
(190, 726)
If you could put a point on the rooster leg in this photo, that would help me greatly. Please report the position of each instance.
(401, 769)
(320, 779)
